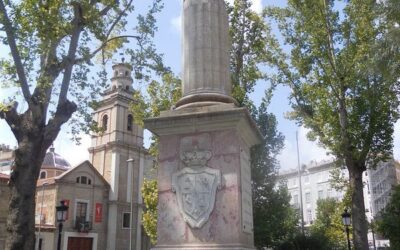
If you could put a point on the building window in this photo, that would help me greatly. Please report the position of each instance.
(126, 220)
(129, 123)
(307, 179)
(104, 122)
(40, 247)
(43, 175)
(83, 180)
(329, 193)
(320, 194)
(308, 197)
(309, 216)
(296, 200)
(81, 211)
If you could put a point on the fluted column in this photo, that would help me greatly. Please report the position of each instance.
(205, 49)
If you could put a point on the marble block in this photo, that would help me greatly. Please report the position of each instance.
(204, 178)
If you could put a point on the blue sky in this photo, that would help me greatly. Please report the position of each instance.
(168, 42)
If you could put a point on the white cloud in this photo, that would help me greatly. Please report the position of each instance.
(256, 5)
(309, 151)
(176, 24)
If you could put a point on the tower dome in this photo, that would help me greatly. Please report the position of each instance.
(52, 160)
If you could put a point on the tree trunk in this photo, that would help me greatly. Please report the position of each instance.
(359, 221)
(21, 218)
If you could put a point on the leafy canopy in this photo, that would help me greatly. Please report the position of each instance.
(150, 199)
(342, 87)
(389, 224)
(53, 46)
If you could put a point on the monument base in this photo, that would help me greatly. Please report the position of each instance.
(204, 178)
(204, 247)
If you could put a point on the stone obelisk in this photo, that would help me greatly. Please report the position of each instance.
(204, 177)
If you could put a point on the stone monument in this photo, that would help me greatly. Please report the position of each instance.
(204, 177)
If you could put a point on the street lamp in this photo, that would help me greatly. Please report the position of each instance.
(346, 218)
(62, 211)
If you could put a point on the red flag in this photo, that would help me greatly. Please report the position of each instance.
(98, 213)
(66, 203)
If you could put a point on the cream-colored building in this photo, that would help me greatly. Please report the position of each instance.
(6, 159)
(85, 192)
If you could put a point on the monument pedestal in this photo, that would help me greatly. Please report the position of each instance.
(204, 178)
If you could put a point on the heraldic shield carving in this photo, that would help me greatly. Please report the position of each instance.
(195, 187)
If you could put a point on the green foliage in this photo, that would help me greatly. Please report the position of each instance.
(304, 242)
(248, 32)
(274, 219)
(329, 223)
(339, 90)
(150, 199)
(53, 45)
(343, 71)
(160, 96)
(388, 223)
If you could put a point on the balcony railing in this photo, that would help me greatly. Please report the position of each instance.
(82, 225)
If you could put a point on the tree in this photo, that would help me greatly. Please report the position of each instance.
(275, 219)
(329, 224)
(343, 77)
(249, 35)
(248, 32)
(160, 96)
(51, 46)
(388, 223)
(150, 199)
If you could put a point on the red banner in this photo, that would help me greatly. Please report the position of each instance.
(98, 213)
(66, 203)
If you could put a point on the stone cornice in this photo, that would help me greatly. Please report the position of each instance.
(204, 119)
(113, 145)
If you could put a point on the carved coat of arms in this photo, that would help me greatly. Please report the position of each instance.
(196, 186)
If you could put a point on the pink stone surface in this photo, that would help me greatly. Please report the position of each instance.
(224, 224)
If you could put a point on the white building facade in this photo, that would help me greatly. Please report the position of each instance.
(314, 181)
(315, 184)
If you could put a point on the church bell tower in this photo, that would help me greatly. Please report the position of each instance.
(117, 152)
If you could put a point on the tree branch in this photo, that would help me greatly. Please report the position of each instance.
(12, 118)
(331, 48)
(118, 19)
(62, 115)
(15, 52)
(103, 45)
(70, 60)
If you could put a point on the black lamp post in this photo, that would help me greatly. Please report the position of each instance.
(346, 218)
(62, 211)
